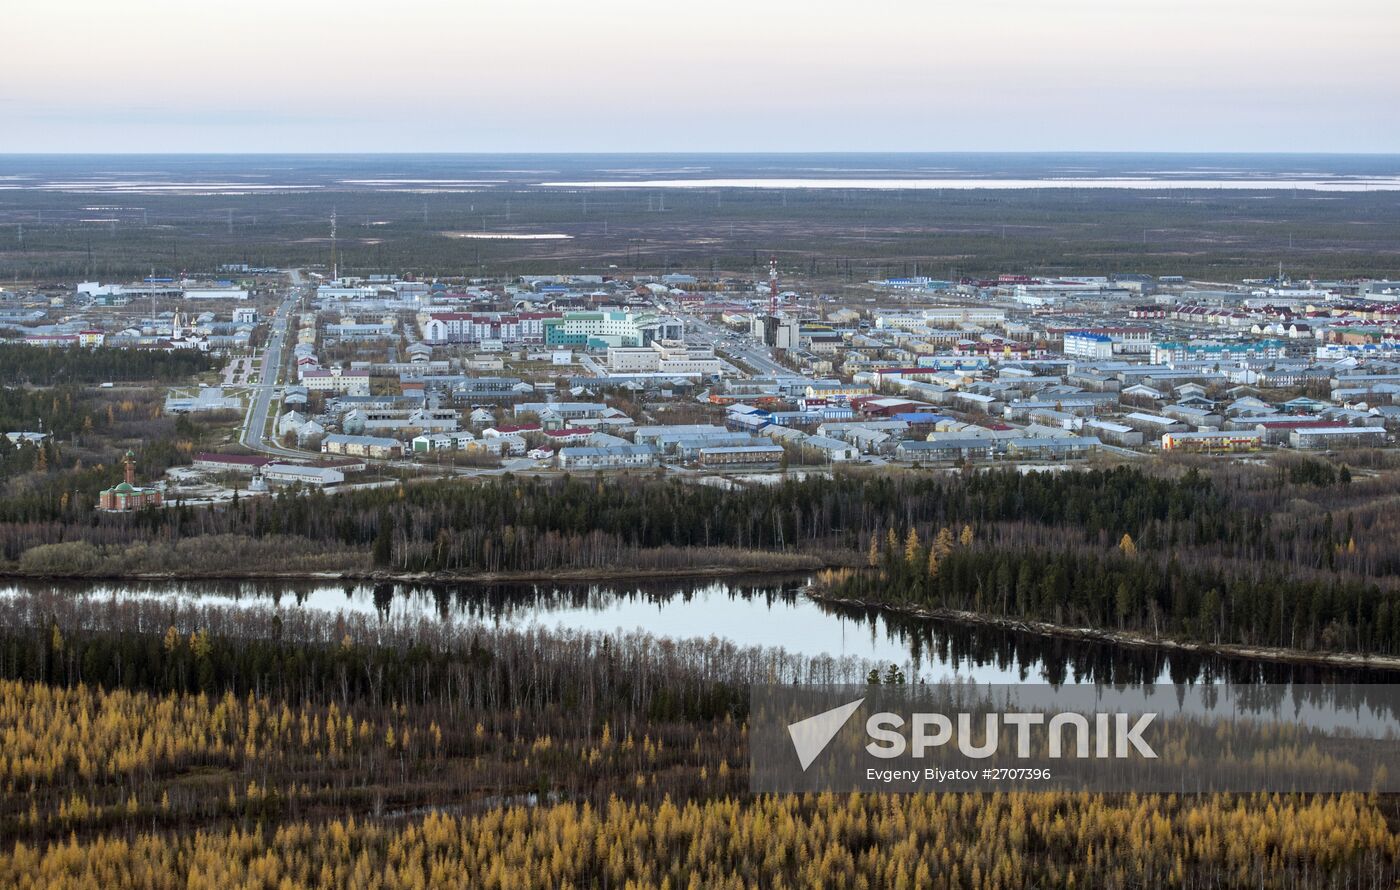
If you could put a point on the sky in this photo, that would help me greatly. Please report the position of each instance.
(720, 75)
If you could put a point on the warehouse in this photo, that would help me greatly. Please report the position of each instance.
(831, 449)
(1193, 415)
(1153, 424)
(1280, 432)
(216, 293)
(1113, 433)
(244, 464)
(1337, 437)
(290, 474)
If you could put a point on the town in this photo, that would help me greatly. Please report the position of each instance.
(343, 378)
(618, 446)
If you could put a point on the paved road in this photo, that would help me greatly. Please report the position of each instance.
(260, 399)
(745, 349)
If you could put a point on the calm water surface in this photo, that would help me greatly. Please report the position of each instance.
(748, 612)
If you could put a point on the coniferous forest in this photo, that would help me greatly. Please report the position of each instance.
(165, 743)
(22, 364)
(1298, 554)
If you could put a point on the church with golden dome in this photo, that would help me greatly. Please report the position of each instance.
(128, 495)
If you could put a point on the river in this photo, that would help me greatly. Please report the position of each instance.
(769, 612)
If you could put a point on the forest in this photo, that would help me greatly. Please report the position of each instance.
(1299, 553)
(21, 364)
(157, 743)
(86, 431)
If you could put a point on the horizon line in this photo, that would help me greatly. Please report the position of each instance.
(736, 152)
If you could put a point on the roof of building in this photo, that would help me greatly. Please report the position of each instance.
(605, 450)
(251, 460)
(945, 444)
(741, 449)
(343, 439)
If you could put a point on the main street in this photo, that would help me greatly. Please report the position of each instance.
(254, 434)
(740, 347)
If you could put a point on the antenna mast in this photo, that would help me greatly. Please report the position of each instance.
(335, 260)
(772, 285)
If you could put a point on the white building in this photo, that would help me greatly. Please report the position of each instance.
(1088, 344)
(288, 474)
(216, 293)
(667, 357)
(351, 383)
(479, 327)
(365, 292)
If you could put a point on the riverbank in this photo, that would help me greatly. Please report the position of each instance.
(376, 576)
(1117, 638)
(790, 565)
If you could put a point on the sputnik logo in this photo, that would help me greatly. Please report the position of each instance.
(811, 736)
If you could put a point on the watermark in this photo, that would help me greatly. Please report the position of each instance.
(1004, 737)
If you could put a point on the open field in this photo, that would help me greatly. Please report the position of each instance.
(413, 213)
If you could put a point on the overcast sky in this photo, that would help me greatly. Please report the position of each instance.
(719, 75)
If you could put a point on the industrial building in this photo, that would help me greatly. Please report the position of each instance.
(216, 293)
(1337, 437)
(292, 474)
(243, 464)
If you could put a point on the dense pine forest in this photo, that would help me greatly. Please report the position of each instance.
(99, 364)
(1299, 553)
(163, 743)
